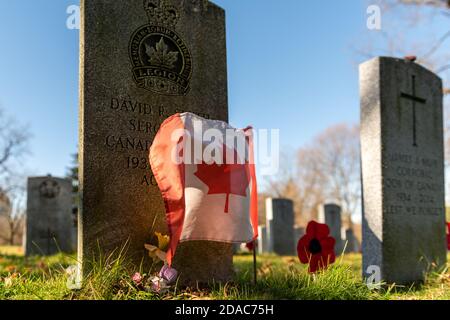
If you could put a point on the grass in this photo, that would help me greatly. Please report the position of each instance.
(45, 278)
(11, 250)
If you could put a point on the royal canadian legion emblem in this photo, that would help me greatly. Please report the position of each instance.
(161, 60)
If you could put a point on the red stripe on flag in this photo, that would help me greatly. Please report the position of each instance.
(254, 188)
(170, 177)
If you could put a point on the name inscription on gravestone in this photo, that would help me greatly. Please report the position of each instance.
(410, 186)
(161, 63)
(141, 118)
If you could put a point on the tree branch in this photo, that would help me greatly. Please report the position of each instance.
(435, 3)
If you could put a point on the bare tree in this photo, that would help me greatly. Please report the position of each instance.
(435, 3)
(285, 184)
(282, 184)
(418, 28)
(12, 210)
(330, 167)
(325, 170)
(311, 180)
(13, 143)
(412, 27)
(13, 147)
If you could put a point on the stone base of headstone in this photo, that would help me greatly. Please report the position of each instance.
(190, 259)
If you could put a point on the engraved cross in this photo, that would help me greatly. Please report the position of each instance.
(415, 99)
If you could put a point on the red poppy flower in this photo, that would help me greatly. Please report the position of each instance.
(316, 248)
(448, 236)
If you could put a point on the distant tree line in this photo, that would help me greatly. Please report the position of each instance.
(14, 139)
(325, 170)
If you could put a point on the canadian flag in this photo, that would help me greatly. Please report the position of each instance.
(205, 170)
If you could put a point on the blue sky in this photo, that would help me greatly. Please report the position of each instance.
(291, 66)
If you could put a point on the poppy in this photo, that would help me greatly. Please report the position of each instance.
(316, 247)
(448, 236)
(250, 246)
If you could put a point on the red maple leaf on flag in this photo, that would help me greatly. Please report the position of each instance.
(225, 178)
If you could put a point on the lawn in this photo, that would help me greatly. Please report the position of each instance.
(278, 278)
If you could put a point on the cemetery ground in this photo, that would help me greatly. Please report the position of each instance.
(42, 278)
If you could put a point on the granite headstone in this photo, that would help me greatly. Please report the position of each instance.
(262, 240)
(402, 169)
(49, 224)
(299, 232)
(330, 214)
(280, 226)
(141, 62)
(352, 243)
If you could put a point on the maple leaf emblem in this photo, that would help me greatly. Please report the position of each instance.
(160, 56)
(225, 179)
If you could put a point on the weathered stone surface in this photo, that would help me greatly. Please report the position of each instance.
(139, 65)
(330, 214)
(299, 232)
(262, 240)
(280, 226)
(402, 169)
(49, 222)
(352, 243)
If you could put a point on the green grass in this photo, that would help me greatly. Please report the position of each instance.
(278, 278)
(10, 250)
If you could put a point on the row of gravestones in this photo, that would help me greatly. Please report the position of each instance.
(280, 236)
(126, 92)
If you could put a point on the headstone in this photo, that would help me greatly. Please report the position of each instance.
(352, 243)
(236, 248)
(262, 240)
(141, 62)
(5, 210)
(330, 214)
(74, 238)
(299, 232)
(402, 169)
(280, 226)
(49, 217)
